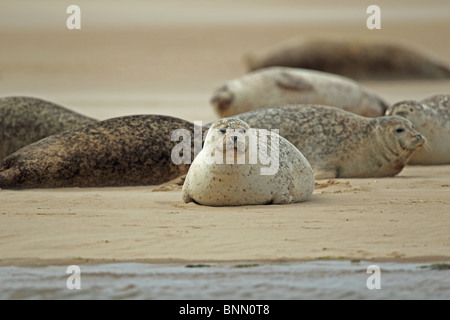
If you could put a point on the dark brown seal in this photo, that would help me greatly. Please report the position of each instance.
(24, 120)
(354, 58)
(125, 151)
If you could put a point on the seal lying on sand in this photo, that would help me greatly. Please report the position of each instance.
(354, 58)
(24, 120)
(214, 182)
(340, 144)
(431, 117)
(279, 86)
(125, 151)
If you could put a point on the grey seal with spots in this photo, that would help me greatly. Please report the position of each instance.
(278, 86)
(340, 144)
(352, 57)
(223, 173)
(431, 117)
(125, 151)
(24, 120)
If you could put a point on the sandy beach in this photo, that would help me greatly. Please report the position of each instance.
(166, 57)
(398, 219)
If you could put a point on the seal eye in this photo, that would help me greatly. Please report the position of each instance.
(400, 130)
(223, 130)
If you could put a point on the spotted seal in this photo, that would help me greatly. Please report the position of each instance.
(24, 120)
(431, 117)
(218, 177)
(124, 151)
(352, 57)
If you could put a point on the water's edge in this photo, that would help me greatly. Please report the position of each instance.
(319, 279)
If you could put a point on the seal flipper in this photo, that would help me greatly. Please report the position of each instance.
(9, 178)
(289, 81)
(185, 195)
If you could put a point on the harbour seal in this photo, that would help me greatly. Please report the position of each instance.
(431, 117)
(351, 57)
(279, 86)
(24, 120)
(340, 144)
(232, 183)
(125, 151)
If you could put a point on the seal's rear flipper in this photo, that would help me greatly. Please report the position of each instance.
(8, 178)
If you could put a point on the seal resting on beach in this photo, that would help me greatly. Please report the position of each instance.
(431, 117)
(278, 86)
(352, 57)
(340, 144)
(225, 174)
(24, 120)
(125, 151)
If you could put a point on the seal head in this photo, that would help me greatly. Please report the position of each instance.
(431, 117)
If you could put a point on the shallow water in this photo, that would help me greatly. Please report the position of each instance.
(302, 280)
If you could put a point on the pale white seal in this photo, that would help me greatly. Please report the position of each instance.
(218, 177)
(277, 86)
(431, 117)
(124, 151)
